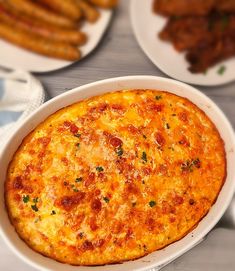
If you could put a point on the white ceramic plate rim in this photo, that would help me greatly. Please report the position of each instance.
(166, 65)
(14, 57)
(154, 259)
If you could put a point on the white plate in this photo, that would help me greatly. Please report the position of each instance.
(14, 57)
(147, 25)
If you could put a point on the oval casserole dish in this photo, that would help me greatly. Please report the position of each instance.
(115, 177)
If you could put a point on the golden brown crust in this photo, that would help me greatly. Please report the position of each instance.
(66, 7)
(115, 177)
(32, 26)
(38, 44)
(183, 7)
(32, 9)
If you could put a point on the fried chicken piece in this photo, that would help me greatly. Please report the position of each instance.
(185, 33)
(206, 56)
(183, 7)
(225, 5)
(190, 32)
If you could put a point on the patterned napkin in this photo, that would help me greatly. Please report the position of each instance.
(20, 94)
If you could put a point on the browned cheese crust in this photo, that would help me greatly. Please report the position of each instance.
(115, 177)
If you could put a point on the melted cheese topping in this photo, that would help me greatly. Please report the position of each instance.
(115, 177)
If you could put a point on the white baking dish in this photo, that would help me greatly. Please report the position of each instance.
(158, 258)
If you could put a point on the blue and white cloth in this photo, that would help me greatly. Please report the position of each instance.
(20, 94)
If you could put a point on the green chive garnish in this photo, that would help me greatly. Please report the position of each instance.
(144, 157)
(78, 180)
(152, 203)
(26, 198)
(99, 169)
(221, 70)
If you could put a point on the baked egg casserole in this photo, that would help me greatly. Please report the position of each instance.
(115, 177)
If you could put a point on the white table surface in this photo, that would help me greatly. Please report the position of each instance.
(119, 55)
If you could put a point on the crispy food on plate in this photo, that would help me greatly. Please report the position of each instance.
(115, 177)
(66, 7)
(29, 25)
(204, 29)
(226, 5)
(36, 11)
(206, 56)
(89, 12)
(183, 7)
(104, 3)
(192, 7)
(50, 23)
(191, 32)
(40, 45)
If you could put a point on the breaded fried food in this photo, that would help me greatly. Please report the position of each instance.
(104, 3)
(40, 13)
(225, 5)
(89, 12)
(183, 7)
(29, 25)
(206, 56)
(190, 32)
(38, 45)
(65, 7)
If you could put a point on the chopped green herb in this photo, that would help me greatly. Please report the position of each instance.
(34, 207)
(144, 157)
(35, 200)
(99, 169)
(190, 164)
(77, 135)
(74, 188)
(187, 166)
(158, 97)
(221, 70)
(144, 136)
(106, 199)
(53, 212)
(78, 180)
(26, 198)
(168, 126)
(119, 151)
(78, 145)
(152, 203)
